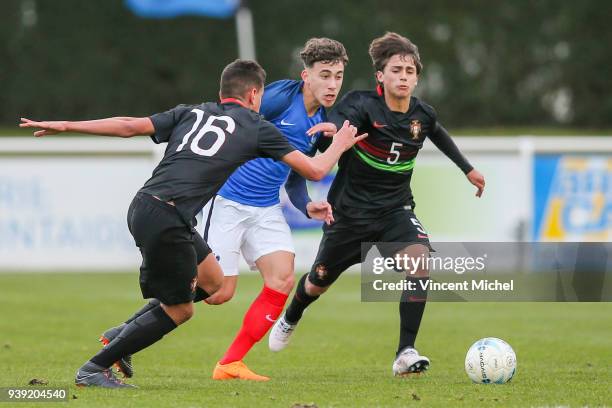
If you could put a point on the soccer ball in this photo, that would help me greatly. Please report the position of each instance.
(490, 361)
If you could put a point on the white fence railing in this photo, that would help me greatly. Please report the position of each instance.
(63, 200)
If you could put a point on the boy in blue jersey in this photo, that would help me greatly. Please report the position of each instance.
(246, 217)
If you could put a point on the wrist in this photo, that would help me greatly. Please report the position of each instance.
(339, 146)
(308, 206)
(468, 169)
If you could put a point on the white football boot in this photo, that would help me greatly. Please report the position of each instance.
(409, 361)
(280, 334)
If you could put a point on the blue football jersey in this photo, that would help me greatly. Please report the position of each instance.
(257, 182)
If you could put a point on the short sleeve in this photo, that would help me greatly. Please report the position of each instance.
(164, 123)
(271, 143)
(349, 108)
(277, 97)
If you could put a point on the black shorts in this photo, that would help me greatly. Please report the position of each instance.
(341, 244)
(171, 250)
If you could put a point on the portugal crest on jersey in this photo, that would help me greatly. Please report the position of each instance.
(415, 129)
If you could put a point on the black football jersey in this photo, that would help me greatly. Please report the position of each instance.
(206, 143)
(374, 176)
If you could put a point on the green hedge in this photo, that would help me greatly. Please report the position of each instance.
(490, 64)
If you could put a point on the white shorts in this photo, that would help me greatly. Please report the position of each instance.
(230, 228)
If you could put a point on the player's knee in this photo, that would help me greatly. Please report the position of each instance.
(220, 297)
(281, 281)
(286, 282)
(419, 265)
(290, 281)
(215, 285)
(419, 272)
(186, 311)
(224, 294)
(180, 313)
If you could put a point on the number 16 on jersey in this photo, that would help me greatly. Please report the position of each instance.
(207, 128)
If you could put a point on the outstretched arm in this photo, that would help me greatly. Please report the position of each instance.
(119, 126)
(315, 168)
(443, 141)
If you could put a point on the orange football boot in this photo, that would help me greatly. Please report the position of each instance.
(236, 370)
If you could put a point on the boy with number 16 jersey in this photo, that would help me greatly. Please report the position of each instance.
(205, 144)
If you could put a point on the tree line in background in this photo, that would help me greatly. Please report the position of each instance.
(513, 63)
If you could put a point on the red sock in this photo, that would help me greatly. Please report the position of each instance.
(262, 314)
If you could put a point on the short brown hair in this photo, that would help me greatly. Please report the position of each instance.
(383, 48)
(323, 50)
(240, 76)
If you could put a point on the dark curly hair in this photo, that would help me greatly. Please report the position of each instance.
(323, 50)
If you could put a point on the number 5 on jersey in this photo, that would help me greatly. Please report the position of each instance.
(418, 226)
(392, 150)
(207, 128)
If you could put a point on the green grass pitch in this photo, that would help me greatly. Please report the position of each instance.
(340, 355)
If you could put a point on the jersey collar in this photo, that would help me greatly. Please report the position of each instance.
(233, 100)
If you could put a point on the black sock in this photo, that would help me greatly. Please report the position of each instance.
(299, 303)
(152, 304)
(411, 308)
(200, 294)
(138, 334)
